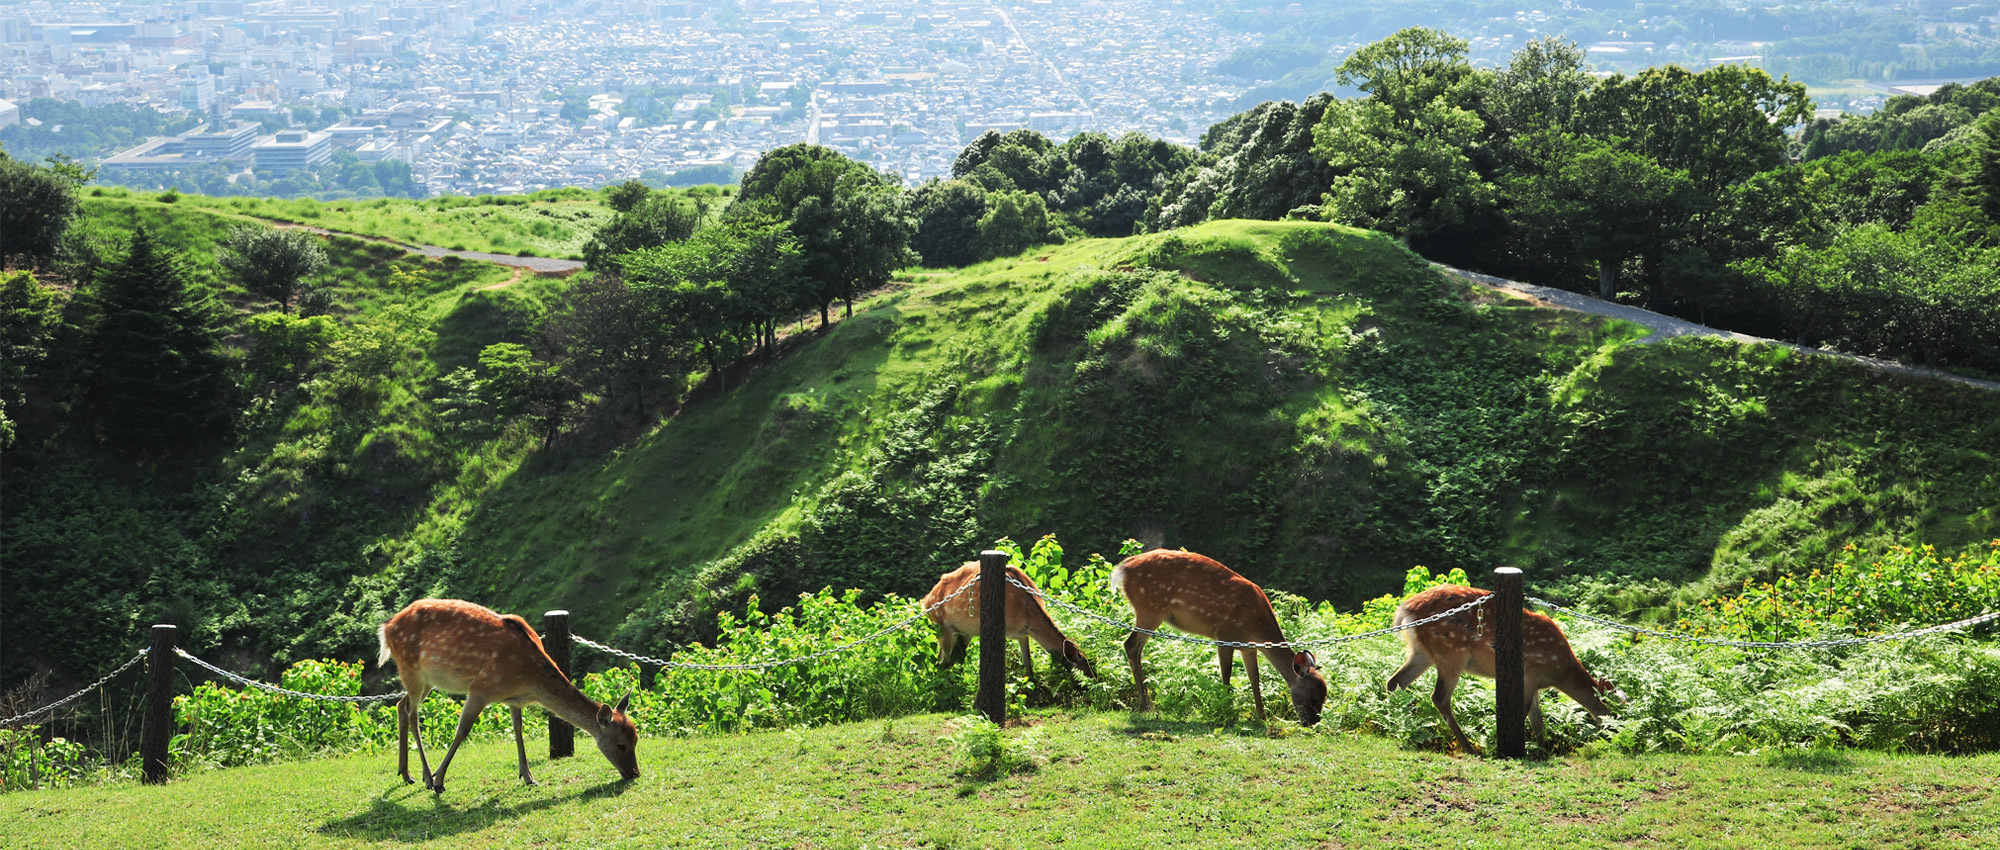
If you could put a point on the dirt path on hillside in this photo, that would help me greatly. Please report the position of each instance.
(1668, 327)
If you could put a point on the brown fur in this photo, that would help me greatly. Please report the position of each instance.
(1027, 619)
(1464, 644)
(1197, 595)
(462, 648)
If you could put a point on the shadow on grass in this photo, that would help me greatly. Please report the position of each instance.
(410, 814)
(1152, 727)
(1815, 760)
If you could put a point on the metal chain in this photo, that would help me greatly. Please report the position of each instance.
(1254, 644)
(766, 665)
(73, 697)
(285, 691)
(1761, 644)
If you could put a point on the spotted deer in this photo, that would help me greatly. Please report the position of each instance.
(1027, 619)
(1464, 644)
(462, 648)
(1197, 595)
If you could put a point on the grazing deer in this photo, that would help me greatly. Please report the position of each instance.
(461, 648)
(1195, 594)
(1027, 619)
(1464, 644)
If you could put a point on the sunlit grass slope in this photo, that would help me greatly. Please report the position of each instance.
(1310, 403)
(553, 223)
(1096, 780)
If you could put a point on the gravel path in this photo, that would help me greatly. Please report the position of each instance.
(1668, 327)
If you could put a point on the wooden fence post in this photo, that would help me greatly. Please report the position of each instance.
(991, 699)
(156, 728)
(1510, 697)
(555, 639)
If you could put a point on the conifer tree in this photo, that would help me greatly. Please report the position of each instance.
(155, 379)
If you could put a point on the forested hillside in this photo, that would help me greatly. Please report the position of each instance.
(275, 438)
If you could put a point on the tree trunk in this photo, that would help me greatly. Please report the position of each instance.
(1607, 279)
(721, 377)
(849, 303)
(823, 320)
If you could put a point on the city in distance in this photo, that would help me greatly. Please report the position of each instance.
(407, 97)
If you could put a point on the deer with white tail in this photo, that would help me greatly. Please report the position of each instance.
(462, 648)
(1197, 595)
(1464, 644)
(954, 610)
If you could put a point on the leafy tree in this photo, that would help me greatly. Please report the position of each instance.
(36, 207)
(657, 219)
(30, 315)
(624, 196)
(1720, 125)
(1540, 87)
(611, 342)
(850, 220)
(1600, 202)
(1015, 222)
(287, 348)
(510, 381)
(947, 222)
(1987, 181)
(1404, 155)
(1266, 167)
(271, 262)
(155, 377)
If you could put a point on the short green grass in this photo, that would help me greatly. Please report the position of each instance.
(555, 223)
(1095, 780)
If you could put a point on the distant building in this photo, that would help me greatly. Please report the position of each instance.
(231, 142)
(291, 150)
(197, 91)
(203, 144)
(256, 110)
(9, 113)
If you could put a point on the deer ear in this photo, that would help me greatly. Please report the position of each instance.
(1302, 663)
(623, 703)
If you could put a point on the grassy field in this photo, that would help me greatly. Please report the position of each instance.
(1095, 780)
(553, 223)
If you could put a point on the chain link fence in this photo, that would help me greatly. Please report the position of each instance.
(264, 686)
(18, 718)
(1766, 644)
(1252, 644)
(766, 665)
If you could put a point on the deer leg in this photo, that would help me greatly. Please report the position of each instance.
(1535, 714)
(1441, 697)
(1227, 657)
(416, 700)
(473, 705)
(947, 643)
(1256, 690)
(403, 737)
(521, 747)
(1414, 666)
(1135, 643)
(1027, 661)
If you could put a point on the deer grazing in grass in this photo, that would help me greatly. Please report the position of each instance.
(1195, 594)
(1464, 644)
(1027, 619)
(462, 648)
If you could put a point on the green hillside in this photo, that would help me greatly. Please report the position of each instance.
(1310, 403)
